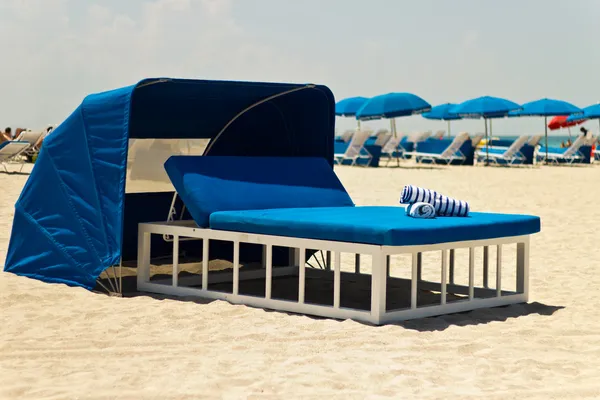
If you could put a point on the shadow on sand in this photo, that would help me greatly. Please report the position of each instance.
(431, 324)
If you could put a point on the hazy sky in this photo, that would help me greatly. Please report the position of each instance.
(54, 52)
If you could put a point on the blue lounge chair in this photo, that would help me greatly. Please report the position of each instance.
(446, 154)
(509, 155)
(566, 155)
(299, 203)
(355, 153)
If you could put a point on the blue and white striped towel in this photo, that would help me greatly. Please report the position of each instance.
(449, 207)
(413, 194)
(420, 210)
(444, 206)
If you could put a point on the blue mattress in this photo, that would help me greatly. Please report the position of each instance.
(211, 184)
(373, 225)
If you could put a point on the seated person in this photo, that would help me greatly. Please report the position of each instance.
(6, 136)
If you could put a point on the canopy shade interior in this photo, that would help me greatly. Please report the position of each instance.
(74, 218)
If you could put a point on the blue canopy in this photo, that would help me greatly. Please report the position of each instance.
(348, 107)
(590, 112)
(73, 219)
(486, 107)
(442, 112)
(545, 107)
(392, 105)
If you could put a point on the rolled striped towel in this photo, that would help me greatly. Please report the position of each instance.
(420, 210)
(414, 194)
(449, 207)
(444, 206)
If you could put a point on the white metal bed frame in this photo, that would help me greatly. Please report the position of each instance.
(378, 314)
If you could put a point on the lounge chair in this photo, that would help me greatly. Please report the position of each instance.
(393, 148)
(439, 135)
(505, 155)
(477, 139)
(356, 150)
(383, 136)
(566, 155)
(449, 154)
(535, 140)
(299, 204)
(12, 152)
(419, 137)
(34, 140)
(347, 135)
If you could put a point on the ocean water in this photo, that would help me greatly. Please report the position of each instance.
(553, 140)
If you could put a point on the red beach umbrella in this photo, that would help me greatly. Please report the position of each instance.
(560, 122)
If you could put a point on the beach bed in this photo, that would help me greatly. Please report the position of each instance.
(300, 205)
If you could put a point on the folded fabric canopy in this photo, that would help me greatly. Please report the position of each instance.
(73, 219)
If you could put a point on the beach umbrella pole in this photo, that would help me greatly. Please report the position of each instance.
(393, 128)
(487, 142)
(449, 128)
(546, 137)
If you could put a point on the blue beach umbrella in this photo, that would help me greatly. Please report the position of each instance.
(485, 107)
(590, 112)
(348, 107)
(545, 108)
(392, 105)
(442, 113)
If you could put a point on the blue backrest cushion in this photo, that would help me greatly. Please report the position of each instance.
(209, 184)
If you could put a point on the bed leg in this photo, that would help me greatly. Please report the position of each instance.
(357, 263)
(451, 267)
(337, 280)
(444, 276)
(523, 268)
(414, 280)
(143, 270)
(175, 260)
(387, 266)
(471, 273)
(378, 287)
(486, 262)
(328, 261)
(236, 268)
(499, 270)
(419, 266)
(205, 258)
(269, 274)
(302, 276)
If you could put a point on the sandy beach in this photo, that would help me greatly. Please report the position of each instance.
(58, 342)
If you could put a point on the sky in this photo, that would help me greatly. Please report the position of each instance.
(55, 52)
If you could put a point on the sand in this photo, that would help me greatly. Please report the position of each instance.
(58, 342)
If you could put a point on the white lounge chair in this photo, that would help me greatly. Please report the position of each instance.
(11, 152)
(449, 154)
(383, 136)
(535, 140)
(356, 149)
(439, 135)
(393, 148)
(32, 138)
(567, 155)
(419, 137)
(475, 140)
(347, 135)
(505, 155)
